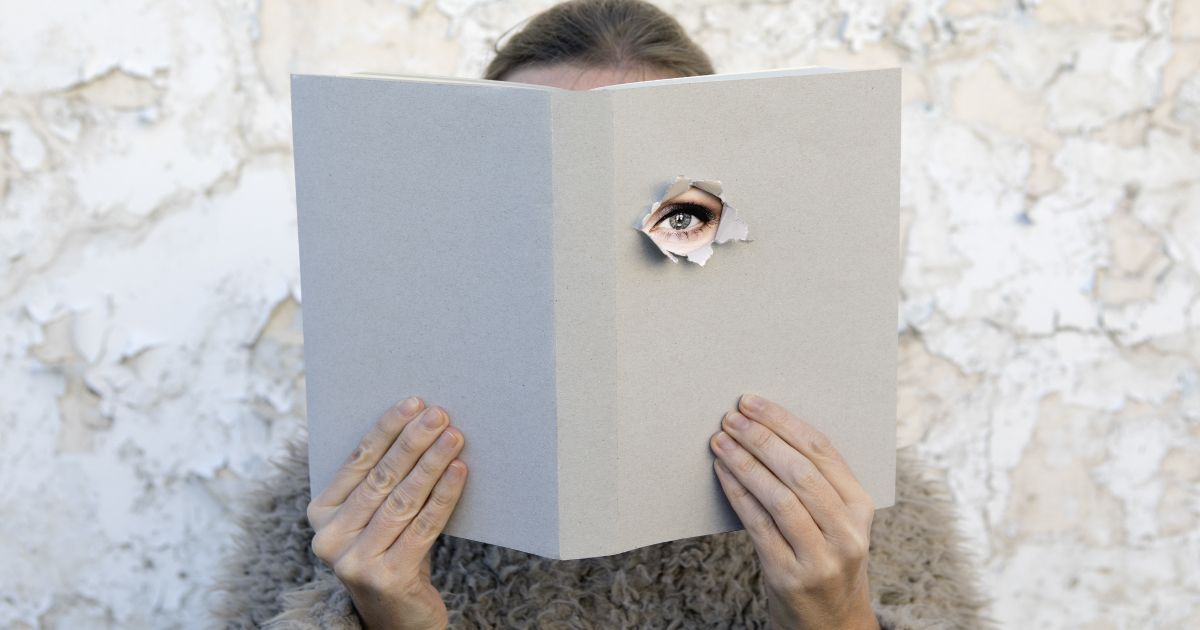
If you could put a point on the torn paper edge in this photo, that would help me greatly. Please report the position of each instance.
(729, 227)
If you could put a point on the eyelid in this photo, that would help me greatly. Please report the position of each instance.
(695, 209)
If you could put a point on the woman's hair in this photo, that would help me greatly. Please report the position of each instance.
(602, 33)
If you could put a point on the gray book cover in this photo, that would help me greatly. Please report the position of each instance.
(485, 245)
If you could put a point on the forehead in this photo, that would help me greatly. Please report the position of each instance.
(574, 77)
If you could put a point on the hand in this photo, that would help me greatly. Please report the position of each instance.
(373, 524)
(806, 513)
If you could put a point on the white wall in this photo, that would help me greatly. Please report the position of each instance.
(150, 346)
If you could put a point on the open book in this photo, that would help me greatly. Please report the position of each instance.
(511, 253)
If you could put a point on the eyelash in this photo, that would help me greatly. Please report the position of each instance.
(705, 216)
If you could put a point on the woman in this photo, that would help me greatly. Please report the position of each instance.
(368, 550)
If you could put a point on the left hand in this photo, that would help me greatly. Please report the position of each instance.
(809, 518)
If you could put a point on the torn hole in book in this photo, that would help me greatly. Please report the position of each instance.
(690, 218)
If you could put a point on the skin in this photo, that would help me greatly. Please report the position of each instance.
(376, 522)
(693, 237)
(803, 508)
(807, 514)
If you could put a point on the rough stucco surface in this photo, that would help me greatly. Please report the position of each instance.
(150, 338)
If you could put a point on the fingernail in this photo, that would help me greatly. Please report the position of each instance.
(432, 418)
(409, 405)
(724, 441)
(738, 421)
(752, 402)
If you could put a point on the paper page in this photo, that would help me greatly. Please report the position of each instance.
(424, 214)
(804, 314)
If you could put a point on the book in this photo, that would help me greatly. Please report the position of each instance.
(496, 249)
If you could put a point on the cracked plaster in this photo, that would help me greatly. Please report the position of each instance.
(1048, 316)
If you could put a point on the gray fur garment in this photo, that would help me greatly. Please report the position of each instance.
(920, 575)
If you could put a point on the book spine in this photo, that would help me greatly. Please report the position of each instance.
(584, 319)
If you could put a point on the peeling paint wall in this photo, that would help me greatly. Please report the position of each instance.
(150, 340)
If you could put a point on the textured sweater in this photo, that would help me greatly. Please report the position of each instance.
(920, 575)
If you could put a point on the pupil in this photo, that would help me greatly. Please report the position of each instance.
(681, 221)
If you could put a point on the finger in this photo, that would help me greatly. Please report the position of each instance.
(815, 445)
(755, 518)
(369, 451)
(405, 500)
(789, 514)
(796, 472)
(401, 456)
(417, 539)
(427, 564)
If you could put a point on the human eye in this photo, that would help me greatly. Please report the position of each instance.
(690, 217)
(683, 221)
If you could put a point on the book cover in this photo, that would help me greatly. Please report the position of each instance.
(486, 245)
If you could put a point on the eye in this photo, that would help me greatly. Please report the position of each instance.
(680, 221)
(685, 222)
(686, 216)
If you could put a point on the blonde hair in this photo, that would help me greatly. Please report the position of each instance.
(599, 33)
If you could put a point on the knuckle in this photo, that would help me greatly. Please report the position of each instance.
(357, 457)
(408, 445)
(777, 413)
(441, 499)
(400, 503)
(322, 546)
(821, 443)
(382, 477)
(425, 525)
(784, 503)
(762, 522)
(738, 491)
(762, 438)
(429, 467)
(349, 569)
(857, 547)
(823, 573)
(745, 465)
(805, 473)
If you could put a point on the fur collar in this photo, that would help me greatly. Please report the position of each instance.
(921, 577)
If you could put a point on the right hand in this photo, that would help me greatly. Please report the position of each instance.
(374, 526)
